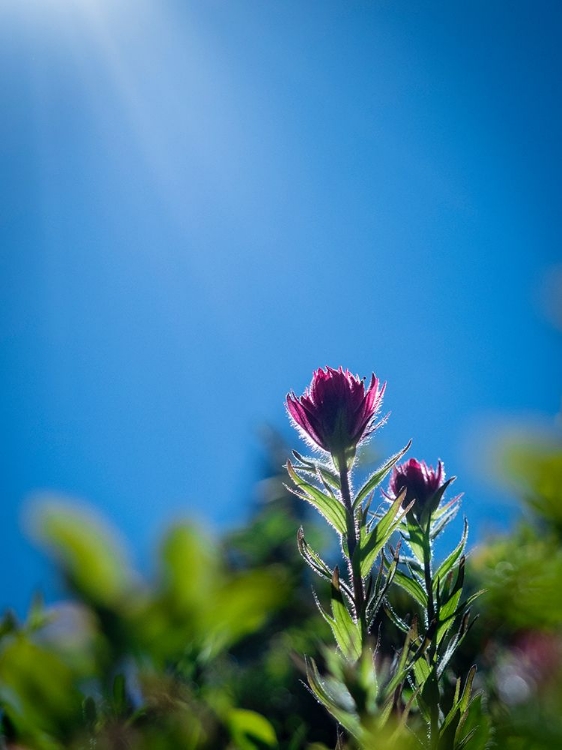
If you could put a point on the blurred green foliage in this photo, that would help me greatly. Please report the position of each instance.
(518, 638)
(208, 653)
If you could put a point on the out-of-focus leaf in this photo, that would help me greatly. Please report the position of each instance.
(242, 606)
(250, 730)
(86, 549)
(522, 578)
(537, 471)
(190, 568)
(39, 691)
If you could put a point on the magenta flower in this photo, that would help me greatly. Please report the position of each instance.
(336, 412)
(421, 482)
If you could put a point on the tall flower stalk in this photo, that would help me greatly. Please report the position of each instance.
(335, 415)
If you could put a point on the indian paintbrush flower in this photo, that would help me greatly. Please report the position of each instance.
(337, 412)
(424, 485)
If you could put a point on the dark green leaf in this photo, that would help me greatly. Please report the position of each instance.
(374, 540)
(451, 560)
(450, 608)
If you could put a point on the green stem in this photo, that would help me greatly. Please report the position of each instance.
(432, 616)
(352, 540)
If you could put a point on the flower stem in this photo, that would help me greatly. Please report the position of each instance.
(352, 540)
(432, 624)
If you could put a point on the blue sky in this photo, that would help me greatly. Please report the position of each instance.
(202, 202)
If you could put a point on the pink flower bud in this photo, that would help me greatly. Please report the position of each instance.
(421, 482)
(336, 412)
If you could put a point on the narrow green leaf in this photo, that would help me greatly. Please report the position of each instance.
(348, 720)
(403, 665)
(376, 600)
(346, 631)
(445, 518)
(374, 540)
(446, 508)
(377, 477)
(467, 690)
(461, 744)
(450, 608)
(414, 537)
(395, 619)
(412, 586)
(451, 560)
(447, 656)
(422, 671)
(312, 558)
(250, 730)
(318, 467)
(332, 510)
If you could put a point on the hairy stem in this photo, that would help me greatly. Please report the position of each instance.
(432, 615)
(352, 541)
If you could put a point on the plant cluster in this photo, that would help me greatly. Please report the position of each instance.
(407, 696)
(207, 651)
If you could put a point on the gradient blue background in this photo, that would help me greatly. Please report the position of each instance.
(202, 202)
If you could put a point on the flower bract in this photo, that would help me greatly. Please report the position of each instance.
(336, 412)
(421, 482)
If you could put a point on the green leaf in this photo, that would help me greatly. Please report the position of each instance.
(86, 548)
(467, 690)
(250, 730)
(332, 699)
(395, 619)
(477, 725)
(449, 610)
(451, 560)
(374, 540)
(403, 666)
(311, 557)
(456, 641)
(452, 509)
(412, 586)
(119, 694)
(241, 606)
(318, 467)
(377, 477)
(332, 510)
(346, 631)
(422, 671)
(454, 707)
(414, 537)
(376, 600)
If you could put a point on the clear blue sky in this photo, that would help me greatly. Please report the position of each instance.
(202, 202)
